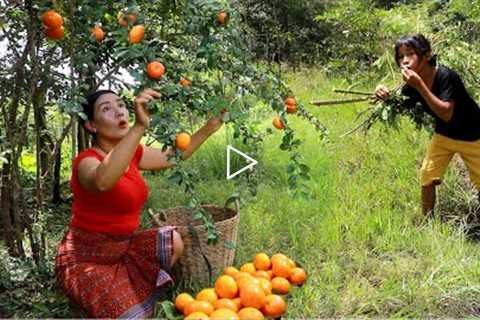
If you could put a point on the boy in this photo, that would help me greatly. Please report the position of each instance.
(442, 94)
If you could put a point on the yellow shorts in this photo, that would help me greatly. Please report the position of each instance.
(440, 152)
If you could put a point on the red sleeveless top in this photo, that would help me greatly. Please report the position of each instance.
(116, 211)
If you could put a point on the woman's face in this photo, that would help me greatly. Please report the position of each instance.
(110, 117)
(408, 58)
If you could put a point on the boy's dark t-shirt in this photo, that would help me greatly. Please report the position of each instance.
(447, 85)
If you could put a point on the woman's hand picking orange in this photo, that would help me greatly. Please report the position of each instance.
(216, 122)
(142, 116)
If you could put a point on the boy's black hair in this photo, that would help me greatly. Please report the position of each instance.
(419, 44)
(91, 98)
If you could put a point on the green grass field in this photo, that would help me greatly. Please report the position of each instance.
(359, 232)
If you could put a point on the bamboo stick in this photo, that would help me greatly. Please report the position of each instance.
(363, 93)
(339, 101)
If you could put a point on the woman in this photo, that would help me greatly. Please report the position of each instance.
(104, 264)
(457, 116)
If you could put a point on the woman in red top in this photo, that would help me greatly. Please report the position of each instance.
(104, 264)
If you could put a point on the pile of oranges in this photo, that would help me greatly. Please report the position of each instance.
(254, 291)
(290, 107)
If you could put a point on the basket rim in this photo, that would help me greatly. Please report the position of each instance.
(202, 205)
(235, 216)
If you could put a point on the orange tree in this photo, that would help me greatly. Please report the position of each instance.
(195, 53)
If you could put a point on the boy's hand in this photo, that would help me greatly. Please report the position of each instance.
(382, 92)
(411, 78)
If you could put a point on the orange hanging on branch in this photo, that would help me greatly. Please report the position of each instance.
(136, 34)
(52, 19)
(98, 33)
(132, 17)
(155, 70)
(55, 33)
(222, 17)
(185, 82)
(182, 141)
(277, 123)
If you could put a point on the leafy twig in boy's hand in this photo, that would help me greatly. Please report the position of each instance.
(338, 101)
(389, 111)
(363, 93)
(361, 113)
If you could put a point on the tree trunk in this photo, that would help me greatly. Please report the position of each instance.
(82, 141)
(12, 143)
(5, 208)
(44, 141)
(44, 149)
(57, 156)
(56, 191)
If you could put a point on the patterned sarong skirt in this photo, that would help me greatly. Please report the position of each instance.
(115, 276)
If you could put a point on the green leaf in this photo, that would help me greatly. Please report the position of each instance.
(232, 198)
(197, 215)
(229, 244)
(176, 177)
(169, 310)
(291, 168)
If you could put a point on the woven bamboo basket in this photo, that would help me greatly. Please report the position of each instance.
(200, 261)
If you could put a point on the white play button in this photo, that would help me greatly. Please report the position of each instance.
(252, 162)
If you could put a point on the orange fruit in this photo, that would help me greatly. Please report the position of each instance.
(246, 281)
(252, 296)
(262, 274)
(230, 271)
(278, 256)
(270, 273)
(266, 285)
(277, 123)
(280, 285)
(123, 22)
(155, 70)
(55, 33)
(182, 141)
(197, 316)
(198, 306)
(226, 287)
(274, 306)
(291, 263)
(208, 295)
(250, 314)
(98, 34)
(290, 101)
(291, 108)
(241, 274)
(222, 17)
(238, 302)
(298, 276)
(223, 314)
(248, 268)
(182, 300)
(136, 34)
(52, 19)
(226, 304)
(261, 261)
(185, 82)
(281, 268)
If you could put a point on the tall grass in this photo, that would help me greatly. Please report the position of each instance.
(359, 233)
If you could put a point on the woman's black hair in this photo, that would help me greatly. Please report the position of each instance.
(88, 106)
(419, 44)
